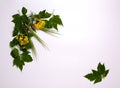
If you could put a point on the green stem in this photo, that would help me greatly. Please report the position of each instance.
(37, 37)
(33, 47)
(50, 32)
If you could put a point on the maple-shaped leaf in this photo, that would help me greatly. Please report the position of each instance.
(97, 75)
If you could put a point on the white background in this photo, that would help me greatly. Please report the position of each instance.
(91, 34)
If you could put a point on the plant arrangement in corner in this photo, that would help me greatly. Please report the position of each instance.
(25, 27)
(97, 75)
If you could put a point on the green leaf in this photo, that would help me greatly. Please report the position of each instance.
(25, 19)
(98, 79)
(18, 63)
(17, 20)
(101, 68)
(24, 10)
(25, 57)
(28, 58)
(14, 42)
(105, 73)
(55, 21)
(44, 14)
(48, 24)
(95, 73)
(15, 31)
(98, 74)
(28, 46)
(17, 60)
(15, 53)
(90, 76)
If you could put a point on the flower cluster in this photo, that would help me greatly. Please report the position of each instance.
(40, 24)
(22, 39)
(25, 27)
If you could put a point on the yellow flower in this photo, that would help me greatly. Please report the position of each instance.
(39, 25)
(23, 40)
(21, 43)
(20, 38)
(26, 39)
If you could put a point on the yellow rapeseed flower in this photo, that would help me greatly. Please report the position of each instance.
(39, 25)
(23, 40)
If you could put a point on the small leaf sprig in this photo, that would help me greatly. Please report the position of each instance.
(25, 27)
(97, 75)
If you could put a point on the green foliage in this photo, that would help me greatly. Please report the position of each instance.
(20, 59)
(20, 21)
(97, 75)
(15, 53)
(28, 46)
(18, 62)
(18, 24)
(44, 14)
(13, 43)
(25, 57)
(25, 19)
(24, 10)
(25, 27)
(53, 22)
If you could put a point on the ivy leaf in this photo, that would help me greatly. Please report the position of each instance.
(97, 75)
(44, 14)
(13, 42)
(24, 10)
